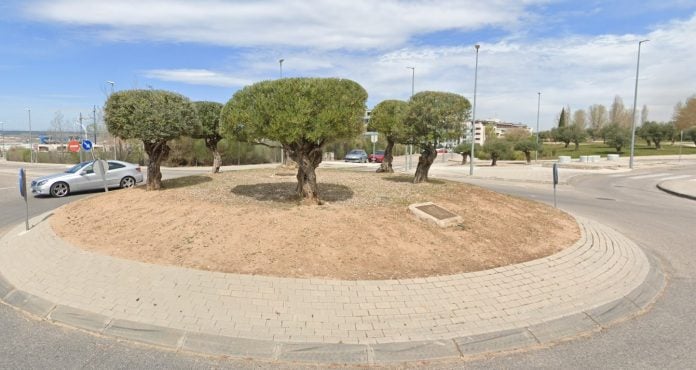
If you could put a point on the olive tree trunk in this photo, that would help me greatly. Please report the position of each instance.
(156, 153)
(528, 156)
(386, 165)
(211, 144)
(425, 160)
(494, 159)
(307, 159)
(464, 156)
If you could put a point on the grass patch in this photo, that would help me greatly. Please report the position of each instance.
(552, 151)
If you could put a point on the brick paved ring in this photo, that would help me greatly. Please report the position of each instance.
(604, 277)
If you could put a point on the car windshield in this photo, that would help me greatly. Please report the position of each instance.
(355, 152)
(77, 167)
(380, 152)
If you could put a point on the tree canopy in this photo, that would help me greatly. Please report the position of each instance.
(302, 114)
(209, 117)
(433, 118)
(153, 116)
(388, 118)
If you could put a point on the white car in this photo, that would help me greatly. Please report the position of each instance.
(81, 177)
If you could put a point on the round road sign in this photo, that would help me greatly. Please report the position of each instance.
(87, 145)
(74, 146)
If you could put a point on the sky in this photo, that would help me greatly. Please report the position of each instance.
(58, 55)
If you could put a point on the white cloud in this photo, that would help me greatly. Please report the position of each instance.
(324, 24)
(197, 77)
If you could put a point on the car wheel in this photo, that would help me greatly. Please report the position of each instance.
(127, 182)
(60, 189)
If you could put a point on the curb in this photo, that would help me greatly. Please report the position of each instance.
(666, 189)
(546, 333)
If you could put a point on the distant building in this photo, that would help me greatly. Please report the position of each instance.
(500, 128)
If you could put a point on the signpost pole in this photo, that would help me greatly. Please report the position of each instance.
(555, 182)
(23, 193)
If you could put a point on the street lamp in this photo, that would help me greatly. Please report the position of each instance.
(280, 62)
(112, 85)
(409, 149)
(536, 153)
(635, 100)
(473, 114)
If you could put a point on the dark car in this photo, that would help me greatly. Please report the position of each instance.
(378, 157)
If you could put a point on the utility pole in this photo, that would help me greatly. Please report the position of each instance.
(536, 152)
(473, 115)
(635, 100)
(94, 117)
(81, 138)
(31, 146)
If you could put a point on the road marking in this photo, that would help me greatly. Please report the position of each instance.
(692, 180)
(620, 175)
(6, 188)
(648, 176)
(676, 177)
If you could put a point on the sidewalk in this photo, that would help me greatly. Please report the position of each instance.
(601, 279)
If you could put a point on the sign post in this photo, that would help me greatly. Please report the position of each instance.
(100, 167)
(23, 193)
(373, 138)
(555, 182)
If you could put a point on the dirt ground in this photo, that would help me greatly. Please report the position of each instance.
(250, 222)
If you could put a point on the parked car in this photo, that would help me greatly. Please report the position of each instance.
(356, 155)
(378, 157)
(441, 150)
(81, 177)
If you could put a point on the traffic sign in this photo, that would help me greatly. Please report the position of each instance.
(87, 145)
(22, 183)
(74, 146)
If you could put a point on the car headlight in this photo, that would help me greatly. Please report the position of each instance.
(41, 183)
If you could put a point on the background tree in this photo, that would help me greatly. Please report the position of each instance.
(690, 134)
(209, 117)
(685, 114)
(527, 147)
(579, 118)
(465, 150)
(576, 134)
(644, 114)
(153, 116)
(562, 134)
(617, 136)
(562, 119)
(434, 117)
(302, 114)
(657, 133)
(598, 116)
(387, 118)
(618, 113)
(497, 148)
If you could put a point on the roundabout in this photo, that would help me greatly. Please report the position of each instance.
(600, 279)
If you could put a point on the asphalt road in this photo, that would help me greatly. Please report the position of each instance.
(662, 338)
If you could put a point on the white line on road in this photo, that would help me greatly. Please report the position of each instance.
(620, 175)
(648, 176)
(7, 188)
(676, 177)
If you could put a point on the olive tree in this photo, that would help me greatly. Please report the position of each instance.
(209, 116)
(497, 148)
(302, 114)
(153, 116)
(527, 146)
(465, 150)
(388, 118)
(616, 136)
(690, 134)
(434, 117)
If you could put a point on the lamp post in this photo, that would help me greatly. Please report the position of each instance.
(409, 149)
(280, 62)
(473, 115)
(536, 152)
(112, 83)
(635, 100)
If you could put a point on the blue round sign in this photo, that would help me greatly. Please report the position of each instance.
(87, 145)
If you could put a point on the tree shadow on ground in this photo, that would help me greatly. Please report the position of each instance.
(183, 182)
(284, 192)
(410, 179)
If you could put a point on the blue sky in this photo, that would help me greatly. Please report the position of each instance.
(58, 55)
